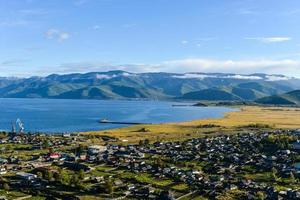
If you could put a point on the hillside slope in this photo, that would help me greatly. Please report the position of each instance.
(125, 85)
(289, 98)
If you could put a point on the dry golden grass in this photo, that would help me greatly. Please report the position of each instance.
(279, 117)
(273, 116)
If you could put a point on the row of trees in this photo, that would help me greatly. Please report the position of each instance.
(65, 178)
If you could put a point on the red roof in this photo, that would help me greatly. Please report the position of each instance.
(54, 155)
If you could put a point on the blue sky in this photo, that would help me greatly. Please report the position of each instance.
(64, 36)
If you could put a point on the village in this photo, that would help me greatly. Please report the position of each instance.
(255, 164)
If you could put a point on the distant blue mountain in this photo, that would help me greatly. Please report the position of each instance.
(126, 85)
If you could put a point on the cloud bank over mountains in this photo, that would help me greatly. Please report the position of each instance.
(286, 67)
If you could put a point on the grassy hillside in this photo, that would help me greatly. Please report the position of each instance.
(290, 98)
(211, 95)
(246, 93)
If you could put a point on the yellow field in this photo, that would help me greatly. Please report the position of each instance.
(277, 117)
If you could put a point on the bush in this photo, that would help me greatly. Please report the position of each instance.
(208, 126)
(256, 125)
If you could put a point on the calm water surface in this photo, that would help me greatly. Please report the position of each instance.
(56, 115)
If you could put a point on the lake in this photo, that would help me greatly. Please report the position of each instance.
(61, 115)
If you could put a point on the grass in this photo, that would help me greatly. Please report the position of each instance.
(99, 173)
(104, 168)
(260, 177)
(182, 187)
(193, 197)
(146, 179)
(247, 116)
(90, 198)
(36, 198)
(12, 194)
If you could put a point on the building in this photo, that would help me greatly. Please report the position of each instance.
(296, 145)
(96, 149)
(26, 176)
(54, 155)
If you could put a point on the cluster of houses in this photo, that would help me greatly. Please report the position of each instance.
(209, 166)
(218, 163)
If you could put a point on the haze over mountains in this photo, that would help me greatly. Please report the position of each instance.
(125, 85)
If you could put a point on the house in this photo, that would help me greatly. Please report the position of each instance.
(96, 149)
(26, 176)
(66, 135)
(296, 145)
(54, 155)
(3, 160)
(3, 171)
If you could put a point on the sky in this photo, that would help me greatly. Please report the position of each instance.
(69, 36)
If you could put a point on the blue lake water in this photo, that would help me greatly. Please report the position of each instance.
(60, 115)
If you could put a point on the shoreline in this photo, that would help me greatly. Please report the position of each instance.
(277, 117)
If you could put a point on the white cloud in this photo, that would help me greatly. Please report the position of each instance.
(242, 67)
(57, 35)
(292, 12)
(243, 77)
(80, 2)
(105, 76)
(269, 39)
(14, 62)
(184, 42)
(194, 75)
(14, 23)
(289, 67)
(277, 78)
(203, 76)
(64, 36)
(96, 27)
(33, 12)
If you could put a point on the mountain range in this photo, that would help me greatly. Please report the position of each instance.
(158, 85)
(290, 99)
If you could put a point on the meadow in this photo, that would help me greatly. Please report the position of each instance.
(248, 117)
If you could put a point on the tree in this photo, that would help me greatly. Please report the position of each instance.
(57, 177)
(81, 186)
(75, 180)
(49, 175)
(274, 173)
(79, 150)
(63, 177)
(260, 195)
(292, 177)
(46, 144)
(6, 187)
(109, 186)
(39, 174)
(50, 150)
(81, 174)
(141, 143)
(157, 138)
(146, 141)
(160, 162)
(233, 194)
